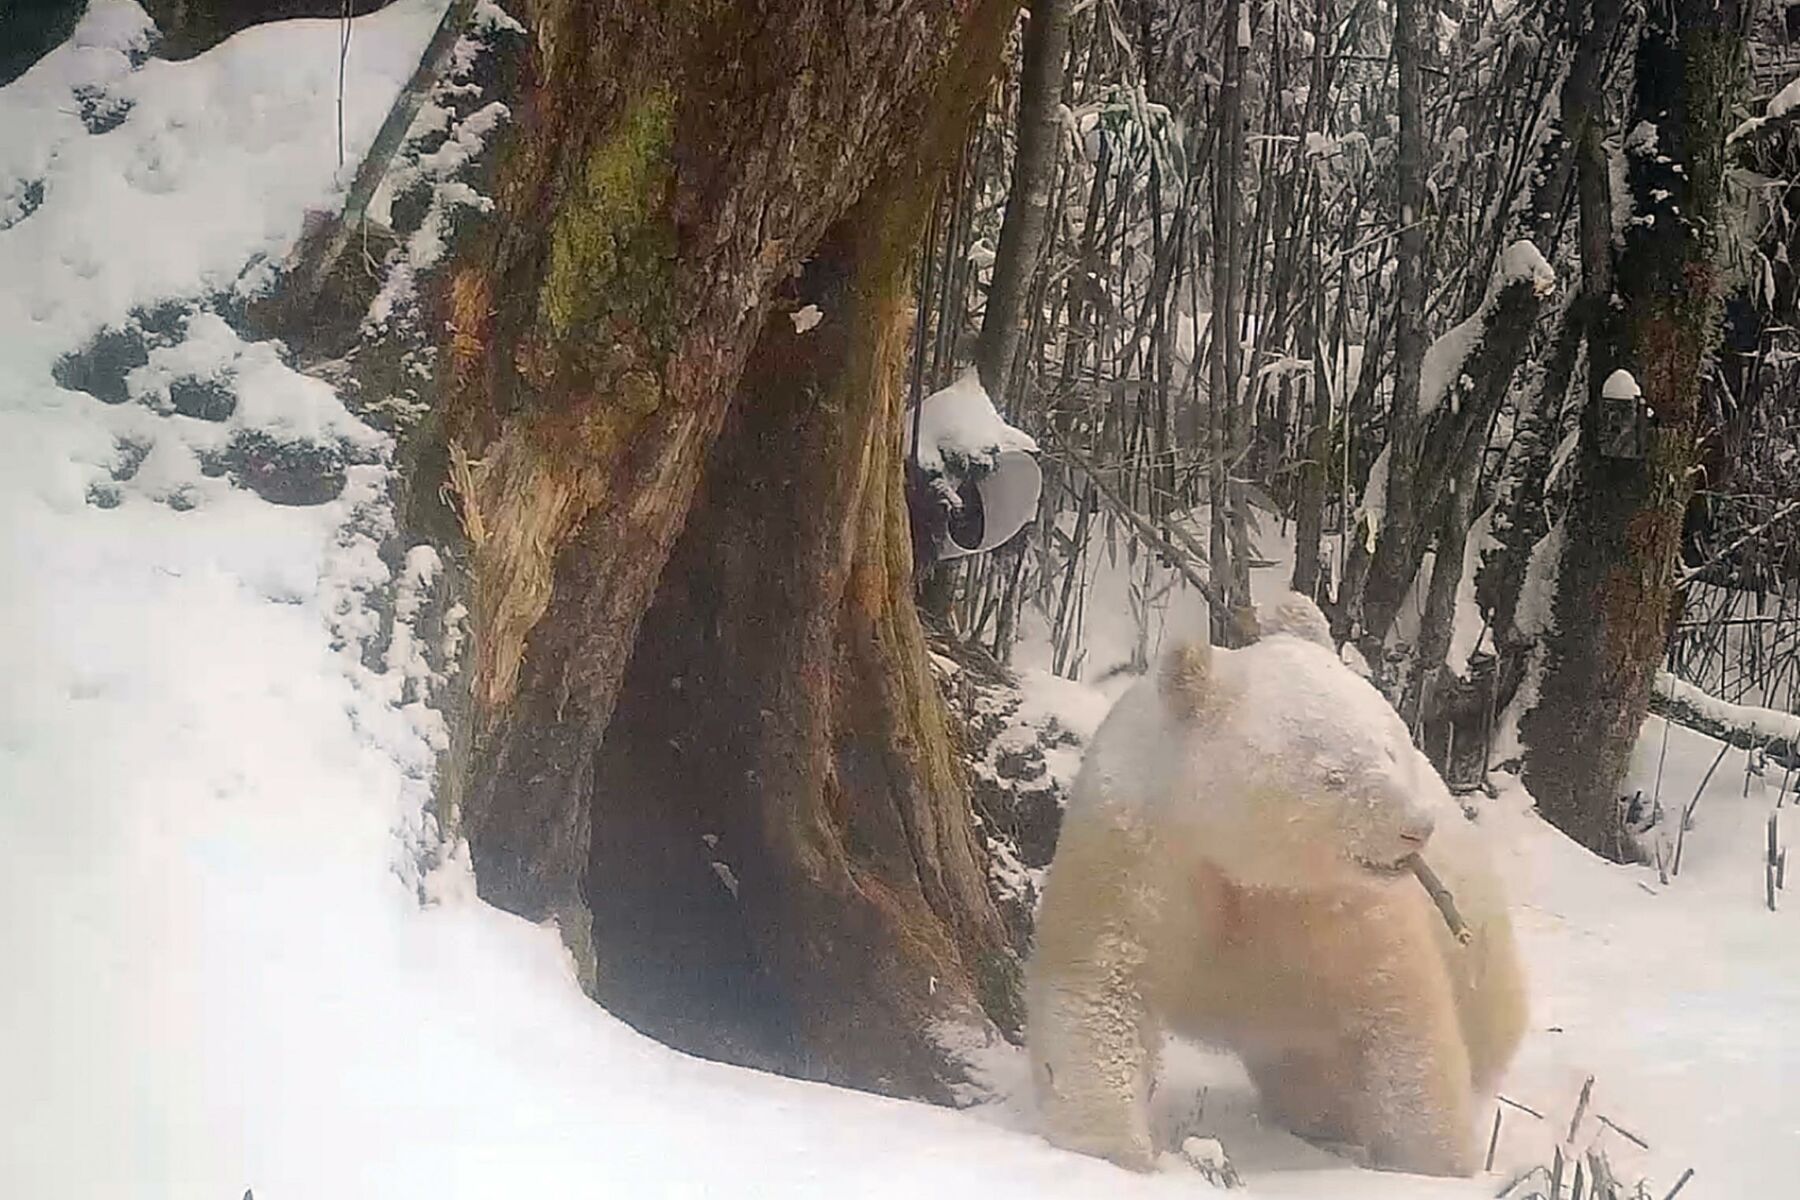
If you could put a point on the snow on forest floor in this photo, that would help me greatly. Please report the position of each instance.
(218, 971)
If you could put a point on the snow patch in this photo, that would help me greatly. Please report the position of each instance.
(959, 429)
(1469, 632)
(1761, 724)
(1372, 510)
(1444, 360)
(1621, 385)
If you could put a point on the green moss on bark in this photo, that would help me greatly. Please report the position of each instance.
(612, 246)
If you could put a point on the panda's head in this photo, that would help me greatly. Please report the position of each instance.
(1305, 773)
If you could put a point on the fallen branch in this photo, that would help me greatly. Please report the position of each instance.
(319, 256)
(1440, 896)
(1775, 733)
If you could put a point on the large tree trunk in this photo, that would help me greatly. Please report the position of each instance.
(767, 855)
(1616, 574)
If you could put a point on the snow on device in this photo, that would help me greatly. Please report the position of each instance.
(981, 479)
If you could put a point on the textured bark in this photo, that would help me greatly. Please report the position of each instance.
(1575, 163)
(1028, 196)
(671, 169)
(1624, 525)
(777, 719)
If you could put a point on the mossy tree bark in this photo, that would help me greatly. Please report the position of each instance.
(727, 774)
(1616, 577)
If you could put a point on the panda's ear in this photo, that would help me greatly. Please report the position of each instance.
(1186, 681)
(1299, 617)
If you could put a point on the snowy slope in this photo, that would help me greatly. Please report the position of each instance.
(214, 834)
(1680, 999)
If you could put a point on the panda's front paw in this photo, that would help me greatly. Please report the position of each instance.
(1207, 1156)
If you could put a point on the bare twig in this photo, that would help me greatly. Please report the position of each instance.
(1687, 814)
(1514, 1183)
(1493, 1139)
(1587, 1093)
(1749, 535)
(1605, 1185)
(1524, 1108)
(1679, 1184)
(343, 63)
(1772, 862)
(1623, 1132)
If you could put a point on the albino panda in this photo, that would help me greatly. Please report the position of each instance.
(1233, 867)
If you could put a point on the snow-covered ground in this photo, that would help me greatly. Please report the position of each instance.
(225, 965)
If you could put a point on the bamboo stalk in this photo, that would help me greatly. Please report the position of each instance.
(1440, 896)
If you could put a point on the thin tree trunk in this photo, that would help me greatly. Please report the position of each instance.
(1028, 197)
(1229, 541)
(664, 181)
(1309, 503)
(1398, 532)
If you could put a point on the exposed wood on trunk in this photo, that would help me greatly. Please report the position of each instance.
(1438, 622)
